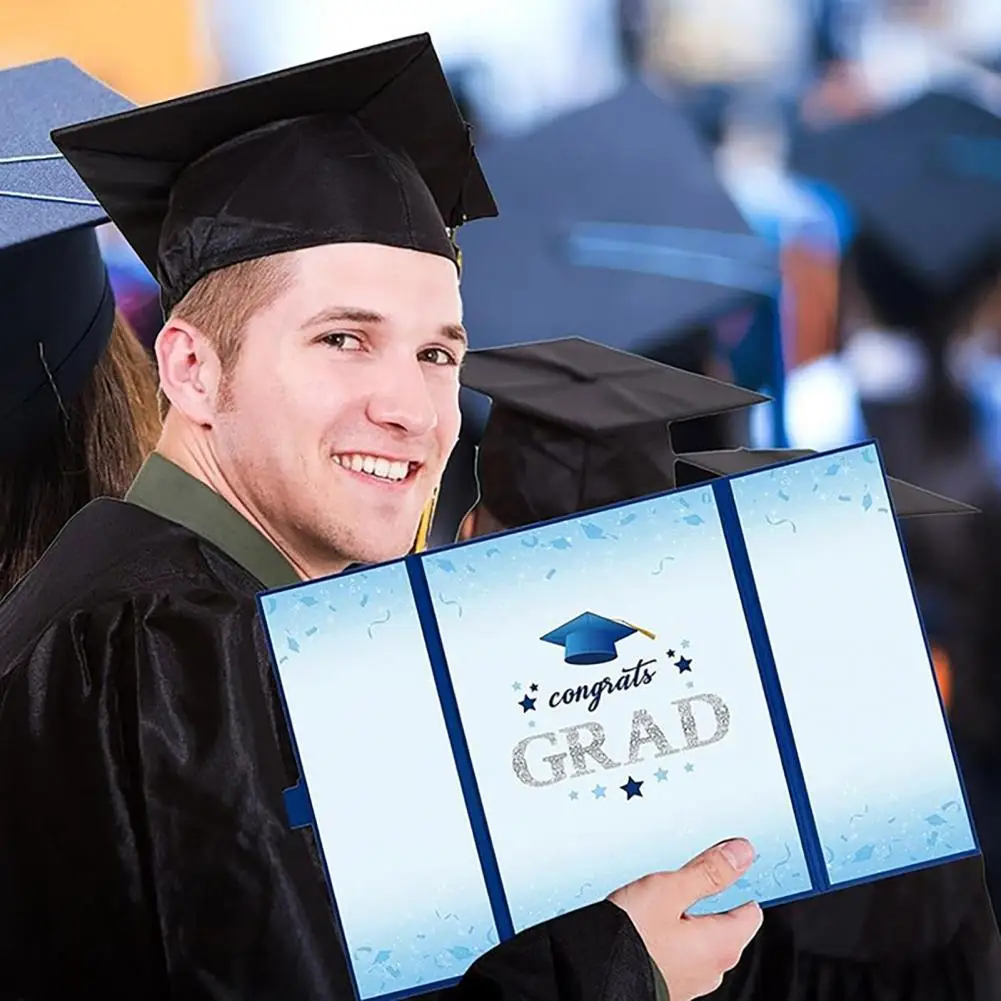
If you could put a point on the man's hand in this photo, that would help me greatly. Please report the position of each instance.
(692, 953)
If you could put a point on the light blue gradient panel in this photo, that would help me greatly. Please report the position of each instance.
(661, 564)
(377, 760)
(854, 668)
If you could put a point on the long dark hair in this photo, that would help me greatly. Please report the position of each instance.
(110, 428)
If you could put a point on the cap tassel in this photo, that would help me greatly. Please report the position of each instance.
(451, 231)
(637, 629)
(427, 519)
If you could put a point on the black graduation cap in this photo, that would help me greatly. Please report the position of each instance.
(363, 147)
(576, 425)
(923, 181)
(908, 500)
(616, 228)
(55, 295)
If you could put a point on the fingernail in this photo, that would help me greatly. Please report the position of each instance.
(738, 853)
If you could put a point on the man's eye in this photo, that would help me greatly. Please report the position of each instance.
(436, 356)
(343, 342)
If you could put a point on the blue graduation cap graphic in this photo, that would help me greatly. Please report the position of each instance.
(591, 639)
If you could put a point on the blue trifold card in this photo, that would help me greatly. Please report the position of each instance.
(494, 733)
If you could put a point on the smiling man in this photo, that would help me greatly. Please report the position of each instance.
(328, 422)
(300, 228)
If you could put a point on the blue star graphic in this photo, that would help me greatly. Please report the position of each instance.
(684, 664)
(573, 794)
(670, 655)
(517, 686)
(632, 788)
(689, 767)
(527, 704)
(689, 684)
(599, 792)
(661, 775)
(533, 688)
(685, 644)
(531, 724)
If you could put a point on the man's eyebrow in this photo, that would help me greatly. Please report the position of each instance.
(338, 314)
(456, 332)
(354, 314)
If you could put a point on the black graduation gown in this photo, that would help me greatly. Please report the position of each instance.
(144, 848)
(924, 936)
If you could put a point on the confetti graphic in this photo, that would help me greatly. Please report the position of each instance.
(380, 622)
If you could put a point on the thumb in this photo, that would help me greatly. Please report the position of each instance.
(712, 871)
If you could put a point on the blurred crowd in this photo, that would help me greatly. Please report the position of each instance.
(855, 143)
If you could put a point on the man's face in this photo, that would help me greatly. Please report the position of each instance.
(343, 406)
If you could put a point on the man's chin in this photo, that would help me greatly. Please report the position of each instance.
(390, 546)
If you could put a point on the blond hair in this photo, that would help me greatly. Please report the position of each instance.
(221, 304)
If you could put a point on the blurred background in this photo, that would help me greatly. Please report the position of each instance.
(803, 196)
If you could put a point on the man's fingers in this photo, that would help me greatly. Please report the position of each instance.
(744, 920)
(713, 871)
(731, 931)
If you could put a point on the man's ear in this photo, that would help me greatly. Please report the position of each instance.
(189, 370)
(467, 528)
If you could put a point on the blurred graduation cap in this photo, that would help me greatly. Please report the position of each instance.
(923, 181)
(614, 227)
(362, 147)
(576, 425)
(590, 638)
(55, 294)
(908, 500)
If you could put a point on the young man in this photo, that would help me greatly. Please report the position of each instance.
(574, 426)
(300, 228)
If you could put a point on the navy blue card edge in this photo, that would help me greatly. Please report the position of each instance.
(771, 686)
(475, 812)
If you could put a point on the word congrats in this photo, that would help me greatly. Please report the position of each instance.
(644, 730)
(631, 677)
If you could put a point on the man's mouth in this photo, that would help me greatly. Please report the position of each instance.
(378, 466)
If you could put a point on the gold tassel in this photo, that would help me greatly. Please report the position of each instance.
(645, 632)
(427, 519)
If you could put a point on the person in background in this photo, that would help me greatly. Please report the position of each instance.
(920, 286)
(575, 426)
(77, 391)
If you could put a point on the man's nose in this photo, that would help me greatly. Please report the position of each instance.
(401, 398)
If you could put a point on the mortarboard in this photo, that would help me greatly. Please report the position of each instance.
(576, 425)
(590, 638)
(923, 182)
(55, 293)
(362, 147)
(908, 500)
(616, 228)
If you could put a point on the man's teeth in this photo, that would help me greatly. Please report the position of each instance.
(374, 466)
